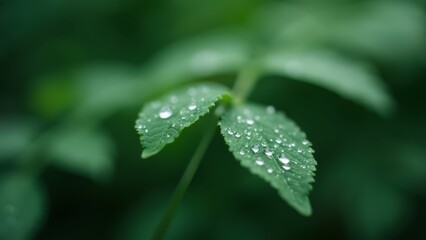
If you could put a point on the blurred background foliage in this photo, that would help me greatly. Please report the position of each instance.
(75, 74)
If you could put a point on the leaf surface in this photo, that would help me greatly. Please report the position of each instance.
(273, 147)
(160, 122)
(348, 78)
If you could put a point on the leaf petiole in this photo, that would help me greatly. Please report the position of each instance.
(184, 183)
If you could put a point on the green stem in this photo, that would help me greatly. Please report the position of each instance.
(183, 184)
(245, 83)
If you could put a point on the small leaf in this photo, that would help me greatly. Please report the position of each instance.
(22, 207)
(274, 148)
(160, 122)
(84, 152)
(350, 79)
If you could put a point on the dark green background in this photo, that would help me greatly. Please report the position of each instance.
(371, 177)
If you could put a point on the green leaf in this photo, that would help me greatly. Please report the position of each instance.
(384, 29)
(22, 207)
(213, 54)
(85, 152)
(392, 30)
(105, 88)
(15, 136)
(274, 148)
(160, 122)
(350, 79)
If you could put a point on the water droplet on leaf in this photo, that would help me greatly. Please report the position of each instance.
(260, 162)
(250, 121)
(192, 106)
(255, 148)
(286, 167)
(283, 159)
(268, 152)
(165, 112)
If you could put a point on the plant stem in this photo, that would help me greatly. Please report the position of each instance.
(245, 83)
(183, 184)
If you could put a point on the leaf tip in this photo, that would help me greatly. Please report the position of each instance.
(146, 154)
(304, 209)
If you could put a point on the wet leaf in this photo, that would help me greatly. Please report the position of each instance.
(160, 122)
(273, 147)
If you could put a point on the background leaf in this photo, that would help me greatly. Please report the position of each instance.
(22, 204)
(106, 88)
(160, 122)
(348, 78)
(212, 54)
(15, 136)
(274, 148)
(380, 29)
(83, 151)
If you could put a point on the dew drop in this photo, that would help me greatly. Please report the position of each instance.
(276, 130)
(242, 153)
(260, 162)
(282, 158)
(286, 167)
(250, 121)
(165, 112)
(237, 135)
(230, 132)
(279, 141)
(305, 142)
(270, 170)
(268, 152)
(255, 148)
(192, 106)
